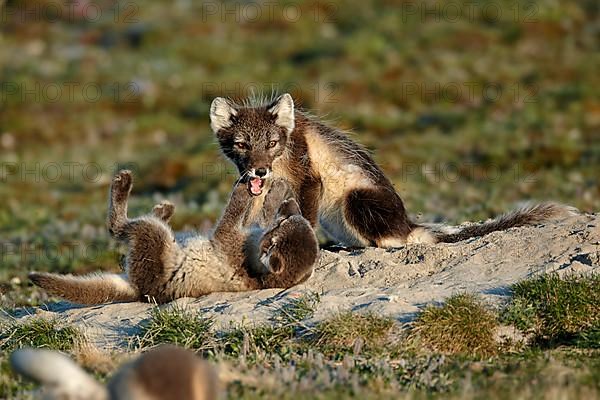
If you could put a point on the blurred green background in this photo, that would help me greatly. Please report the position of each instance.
(469, 107)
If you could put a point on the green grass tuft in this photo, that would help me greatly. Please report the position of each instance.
(177, 326)
(462, 325)
(519, 314)
(342, 331)
(589, 338)
(299, 309)
(563, 308)
(253, 341)
(39, 333)
(277, 338)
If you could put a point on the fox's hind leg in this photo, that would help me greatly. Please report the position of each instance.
(151, 261)
(120, 189)
(288, 208)
(164, 211)
(153, 253)
(377, 217)
(273, 237)
(153, 257)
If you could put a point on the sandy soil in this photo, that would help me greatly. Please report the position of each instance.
(395, 282)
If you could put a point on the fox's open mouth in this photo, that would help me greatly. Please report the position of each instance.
(255, 185)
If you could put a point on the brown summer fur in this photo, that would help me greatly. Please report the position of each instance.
(336, 181)
(161, 266)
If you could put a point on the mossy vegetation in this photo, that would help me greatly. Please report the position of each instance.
(451, 350)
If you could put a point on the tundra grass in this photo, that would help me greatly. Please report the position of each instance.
(38, 332)
(351, 331)
(462, 325)
(558, 310)
(450, 351)
(177, 326)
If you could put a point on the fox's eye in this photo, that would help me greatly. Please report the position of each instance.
(271, 144)
(241, 145)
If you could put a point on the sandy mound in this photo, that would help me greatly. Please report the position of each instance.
(395, 282)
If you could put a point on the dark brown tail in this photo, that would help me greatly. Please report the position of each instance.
(89, 289)
(527, 215)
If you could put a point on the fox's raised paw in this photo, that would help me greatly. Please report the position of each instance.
(164, 210)
(279, 190)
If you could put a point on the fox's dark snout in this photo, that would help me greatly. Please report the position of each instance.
(261, 172)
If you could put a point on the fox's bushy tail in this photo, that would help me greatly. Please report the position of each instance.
(527, 215)
(89, 289)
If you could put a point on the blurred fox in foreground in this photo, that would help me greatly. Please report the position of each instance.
(279, 251)
(336, 180)
(165, 373)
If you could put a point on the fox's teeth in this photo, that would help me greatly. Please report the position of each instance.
(255, 186)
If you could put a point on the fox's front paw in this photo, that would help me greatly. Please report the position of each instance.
(272, 263)
(279, 190)
(122, 182)
(279, 185)
(288, 208)
(268, 248)
(240, 191)
(164, 210)
(267, 242)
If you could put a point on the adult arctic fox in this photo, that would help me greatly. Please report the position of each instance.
(161, 266)
(334, 179)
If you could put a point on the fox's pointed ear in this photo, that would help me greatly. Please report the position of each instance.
(221, 112)
(283, 110)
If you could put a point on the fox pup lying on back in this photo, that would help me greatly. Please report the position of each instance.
(162, 266)
(334, 179)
